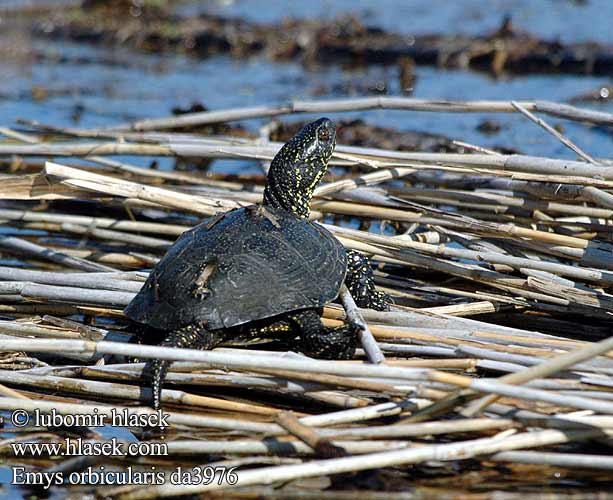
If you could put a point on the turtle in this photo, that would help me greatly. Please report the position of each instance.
(260, 270)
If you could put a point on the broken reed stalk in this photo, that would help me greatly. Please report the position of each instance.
(125, 282)
(573, 460)
(119, 187)
(573, 172)
(67, 294)
(564, 140)
(204, 421)
(21, 246)
(368, 342)
(210, 357)
(98, 222)
(11, 393)
(362, 384)
(310, 437)
(366, 103)
(550, 367)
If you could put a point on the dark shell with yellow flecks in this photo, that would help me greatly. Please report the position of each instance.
(249, 264)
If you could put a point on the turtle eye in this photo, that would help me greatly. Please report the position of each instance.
(323, 134)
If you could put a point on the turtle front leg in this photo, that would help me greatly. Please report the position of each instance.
(194, 336)
(361, 285)
(323, 342)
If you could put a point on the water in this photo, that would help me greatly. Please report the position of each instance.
(70, 84)
(117, 85)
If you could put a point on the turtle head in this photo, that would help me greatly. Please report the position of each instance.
(314, 144)
(299, 166)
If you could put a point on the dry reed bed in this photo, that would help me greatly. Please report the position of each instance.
(521, 242)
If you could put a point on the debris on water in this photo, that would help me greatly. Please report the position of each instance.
(345, 39)
(489, 127)
(408, 78)
(360, 133)
(600, 94)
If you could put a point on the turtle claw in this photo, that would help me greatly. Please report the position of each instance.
(324, 342)
(379, 301)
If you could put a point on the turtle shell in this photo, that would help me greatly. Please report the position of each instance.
(248, 264)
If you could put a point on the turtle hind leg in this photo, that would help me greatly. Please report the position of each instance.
(323, 342)
(144, 335)
(194, 336)
(361, 285)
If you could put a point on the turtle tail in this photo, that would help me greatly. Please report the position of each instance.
(195, 336)
(157, 370)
